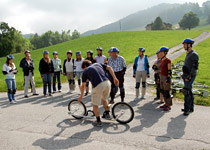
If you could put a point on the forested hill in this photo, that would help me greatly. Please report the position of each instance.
(170, 13)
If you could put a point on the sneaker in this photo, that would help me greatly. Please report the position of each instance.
(26, 96)
(50, 94)
(45, 95)
(97, 124)
(142, 97)
(12, 102)
(156, 98)
(35, 94)
(70, 92)
(86, 93)
(59, 91)
(191, 110)
(54, 92)
(106, 116)
(163, 106)
(166, 108)
(79, 93)
(186, 113)
(111, 102)
(136, 99)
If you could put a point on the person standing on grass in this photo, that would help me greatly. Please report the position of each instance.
(57, 72)
(28, 69)
(46, 70)
(119, 66)
(141, 72)
(78, 67)
(165, 78)
(90, 58)
(156, 68)
(100, 58)
(22, 62)
(189, 74)
(96, 74)
(68, 71)
(10, 70)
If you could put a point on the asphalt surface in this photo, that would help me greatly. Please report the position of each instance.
(41, 122)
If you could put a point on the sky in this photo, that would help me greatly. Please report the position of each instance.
(39, 16)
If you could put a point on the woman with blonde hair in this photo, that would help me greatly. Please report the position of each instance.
(46, 70)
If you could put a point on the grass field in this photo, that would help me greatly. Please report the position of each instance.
(202, 28)
(203, 71)
(127, 42)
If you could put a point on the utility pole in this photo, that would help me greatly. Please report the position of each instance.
(120, 25)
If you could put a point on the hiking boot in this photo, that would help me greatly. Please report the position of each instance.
(191, 110)
(111, 102)
(106, 116)
(86, 93)
(26, 96)
(186, 113)
(167, 108)
(35, 94)
(156, 98)
(163, 106)
(97, 124)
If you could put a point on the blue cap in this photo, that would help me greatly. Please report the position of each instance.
(55, 53)
(189, 41)
(163, 49)
(142, 49)
(10, 57)
(45, 52)
(114, 49)
(78, 53)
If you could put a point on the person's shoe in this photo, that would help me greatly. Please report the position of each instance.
(191, 110)
(160, 102)
(54, 92)
(97, 124)
(106, 116)
(142, 97)
(26, 96)
(35, 94)
(136, 99)
(70, 92)
(79, 93)
(59, 91)
(111, 102)
(45, 95)
(50, 94)
(163, 106)
(86, 93)
(156, 98)
(186, 113)
(167, 108)
(12, 102)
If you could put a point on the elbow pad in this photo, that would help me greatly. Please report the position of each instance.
(4, 72)
(134, 67)
(195, 65)
(170, 73)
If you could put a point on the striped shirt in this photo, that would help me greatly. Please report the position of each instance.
(117, 64)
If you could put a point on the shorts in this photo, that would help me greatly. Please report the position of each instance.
(100, 92)
(163, 85)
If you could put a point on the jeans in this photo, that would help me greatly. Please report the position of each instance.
(47, 83)
(57, 75)
(11, 86)
(79, 76)
(188, 98)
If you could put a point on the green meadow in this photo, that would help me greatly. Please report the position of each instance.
(127, 42)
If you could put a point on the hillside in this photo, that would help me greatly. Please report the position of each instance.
(170, 13)
(127, 42)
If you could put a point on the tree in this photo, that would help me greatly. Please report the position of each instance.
(189, 21)
(158, 24)
(206, 7)
(75, 35)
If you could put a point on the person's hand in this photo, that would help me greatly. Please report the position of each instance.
(79, 99)
(187, 80)
(134, 76)
(116, 82)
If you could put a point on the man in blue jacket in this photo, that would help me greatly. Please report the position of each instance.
(189, 74)
(141, 72)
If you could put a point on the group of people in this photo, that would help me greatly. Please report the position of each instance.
(99, 69)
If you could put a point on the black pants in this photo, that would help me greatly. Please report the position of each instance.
(157, 81)
(120, 76)
(57, 75)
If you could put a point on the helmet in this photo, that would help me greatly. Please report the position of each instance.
(55, 53)
(10, 57)
(114, 49)
(89, 51)
(188, 41)
(45, 52)
(142, 49)
(164, 49)
(158, 52)
(27, 51)
(78, 53)
(69, 52)
(99, 48)
(109, 51)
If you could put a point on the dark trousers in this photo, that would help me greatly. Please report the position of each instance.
(189, 97)
(47, 83)
(120, 76)
(57, 76)
(157, 81)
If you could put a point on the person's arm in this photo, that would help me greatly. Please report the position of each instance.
(134, 69)
(40, 68)
(195, 63)
(111, 71)
(124, 65)
(169, 73)
(5, 71)
(82, 88)
(64, 67)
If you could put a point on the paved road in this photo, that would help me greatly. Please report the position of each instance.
(43, 123)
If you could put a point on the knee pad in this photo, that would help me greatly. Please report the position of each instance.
(14, 91)
(9, 91)
(137, 85)
(186, 91)
(70, 81)
(87, 84)
(167, 94)
(122, 90)
(73, 82)
(144, 84)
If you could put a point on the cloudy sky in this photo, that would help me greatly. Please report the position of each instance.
(38, 16)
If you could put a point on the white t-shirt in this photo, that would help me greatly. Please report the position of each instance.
(100, 59)
(78, 65)
(69, 66)
(9, 75)
(141, 66)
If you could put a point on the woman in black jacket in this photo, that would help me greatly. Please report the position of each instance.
(46, 70)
